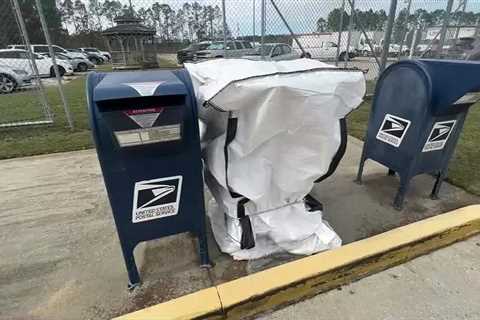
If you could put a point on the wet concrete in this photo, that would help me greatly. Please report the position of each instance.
(60, 253)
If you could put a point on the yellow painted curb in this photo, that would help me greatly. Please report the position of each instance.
(306, 277)
(200, 304)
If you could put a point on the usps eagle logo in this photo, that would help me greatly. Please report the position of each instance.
(157, 198)
(439, 135)
(393, 130)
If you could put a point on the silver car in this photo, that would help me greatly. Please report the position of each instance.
(78, 64)
(11, 79)
(235, 49)
(274, 52)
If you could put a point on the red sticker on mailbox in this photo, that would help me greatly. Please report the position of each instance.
(145, 118)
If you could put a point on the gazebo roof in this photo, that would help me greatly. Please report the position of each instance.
(128, 25)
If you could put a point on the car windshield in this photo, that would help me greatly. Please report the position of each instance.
(266, 49)
(215, 46)
(62, 56)
(91, 50)
(203, 46)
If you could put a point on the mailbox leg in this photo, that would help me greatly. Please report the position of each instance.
(402, 190)
(361, 166)
(438, 183)
(203, 250)
(132, 270)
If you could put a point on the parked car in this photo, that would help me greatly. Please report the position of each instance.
(18, 59)
(322, 46)
(464, 48)
(77, 51)
(78, 64)
(94, 55)
(235, 49)
(43, 48)
(274, 52)
(11, 79)
(106, 54)
(188, 54)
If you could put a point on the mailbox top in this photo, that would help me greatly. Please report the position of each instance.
(121, 85)
(446, 81)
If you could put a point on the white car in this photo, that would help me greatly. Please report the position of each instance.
(18, 59)
(43, 48)
(93, 53)
(324, 50)
(11, 79)
(274, 52)
(78, 64)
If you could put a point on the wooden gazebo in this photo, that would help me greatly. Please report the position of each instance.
(131, 43)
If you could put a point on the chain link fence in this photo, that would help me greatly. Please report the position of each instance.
(363, 34)
(25, 66)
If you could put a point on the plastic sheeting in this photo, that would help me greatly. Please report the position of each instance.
(273, 129)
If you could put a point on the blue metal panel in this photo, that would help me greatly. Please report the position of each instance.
(416, 118)
(148, 181)
(118, 85)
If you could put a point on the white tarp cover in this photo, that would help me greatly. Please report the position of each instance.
(287, 132)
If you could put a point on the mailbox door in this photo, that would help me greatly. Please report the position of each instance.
(400, 110)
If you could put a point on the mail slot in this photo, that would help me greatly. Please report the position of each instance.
(417, 117)
(145, 128)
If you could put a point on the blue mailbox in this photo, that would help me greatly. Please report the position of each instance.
(417, 116)
(145, 129)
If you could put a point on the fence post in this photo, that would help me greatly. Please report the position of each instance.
(340, 30)
(253, 24)
(54, 60)
(405, 32)
(446, 20)
(388, 34)
(477, 28)
(464, 8)
(304, 53)
(23, 29)
(263, 26)
(349, 36)
(224, 17)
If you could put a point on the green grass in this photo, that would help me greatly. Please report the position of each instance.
(26, 141)
(464, 168)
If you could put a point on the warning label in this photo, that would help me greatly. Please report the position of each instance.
(439, 135)
(393, 130)
(157, 198)
(145, 118)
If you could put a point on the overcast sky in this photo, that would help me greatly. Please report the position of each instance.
(300, 14)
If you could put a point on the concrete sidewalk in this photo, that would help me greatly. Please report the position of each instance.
(443, 285)
(60, 253)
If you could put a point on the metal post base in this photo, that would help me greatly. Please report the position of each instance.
(203, 251)
(402, 190)
(436, 187)
(132, 270)
(132, 286)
